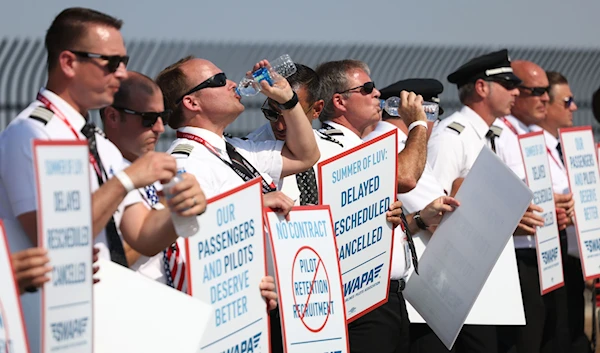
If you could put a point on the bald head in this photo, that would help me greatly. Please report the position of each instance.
(530, 105)
(528, 71)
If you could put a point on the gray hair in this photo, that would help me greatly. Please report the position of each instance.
(334, 79)
(465, 92)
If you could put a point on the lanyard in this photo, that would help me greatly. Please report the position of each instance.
(58, 113)
(512, 128)
(246, 176)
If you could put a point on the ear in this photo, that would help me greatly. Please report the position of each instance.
(339, 103)
(317, 109)
(191, 103)
(111, 117)
(68, 63)
(482, 88)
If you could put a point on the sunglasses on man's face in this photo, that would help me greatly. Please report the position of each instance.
(112, 61)
(507, 84)
(273, 115)
(568, 101)
(218, 80)
(270, 114)
(536, 91)
(148, 118)
(366, 88)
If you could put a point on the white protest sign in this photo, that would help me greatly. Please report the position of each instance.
(13, 338)
(133, 313)
(360, 185)
(465, 247)
(226, 262)
(311, 302)
(579, 152)
(537, 175)
(65, 229)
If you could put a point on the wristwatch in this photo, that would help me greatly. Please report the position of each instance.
(289, 104)
(419, 220)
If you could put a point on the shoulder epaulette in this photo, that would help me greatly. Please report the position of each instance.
(328, 138)
(330, 131)
(456, 127)
(184, 149)
(497, 130)
(42, 114)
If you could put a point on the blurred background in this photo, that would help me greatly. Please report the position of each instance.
(398, 39)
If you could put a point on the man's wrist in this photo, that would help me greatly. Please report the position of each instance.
(291, 103)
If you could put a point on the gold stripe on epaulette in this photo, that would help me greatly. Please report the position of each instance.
(184, 148)
(456, 127)
(497, 130)
(42, 114)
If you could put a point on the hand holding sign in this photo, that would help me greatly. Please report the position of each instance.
(267, 290)
(31, 269)
(530, 220)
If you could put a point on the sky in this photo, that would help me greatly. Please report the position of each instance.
(539, 23)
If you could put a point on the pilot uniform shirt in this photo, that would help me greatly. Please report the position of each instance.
(18, 186)
(509, 151)
(328, 147)
(560, 183)
(215, 176)
(426, 190)
(454, 145)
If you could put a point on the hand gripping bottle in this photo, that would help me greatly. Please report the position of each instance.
(391, 104)
(281, 68)
(184, 226)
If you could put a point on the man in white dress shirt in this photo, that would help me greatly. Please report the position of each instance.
(546, 316)
(134, 123)
(86, 63)
(559, 114)
(487, 88)
(301, 187)
(352, 106)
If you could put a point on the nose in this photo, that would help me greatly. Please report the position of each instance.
(376, 93)
(280, 124)
(231, 83)
(121, 72)
(573, 107)
(545, 97)
(159, 126)
(515, 92)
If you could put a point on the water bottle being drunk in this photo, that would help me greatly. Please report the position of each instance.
(391, 104)
(184, 226)
(281, 68)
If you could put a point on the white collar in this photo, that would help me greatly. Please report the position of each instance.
(347, 132)
(215, 140)
(74, 118)
(519, 126)
(476, 121)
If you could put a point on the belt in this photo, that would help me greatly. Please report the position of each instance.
(397, 286)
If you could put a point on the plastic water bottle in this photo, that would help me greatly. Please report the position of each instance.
(391, 104)
(184, 226)
(281, 68)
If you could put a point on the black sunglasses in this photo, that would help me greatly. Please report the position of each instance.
(536, 91)
(270, 114)
(273, 115)
(568, 101)
(113, 61)
(366, 88)
(148, 118)
(218, 80)
(507, 84)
